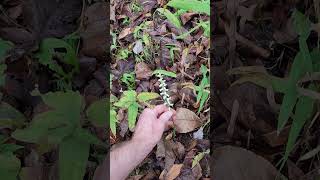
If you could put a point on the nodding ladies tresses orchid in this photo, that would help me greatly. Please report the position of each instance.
(163, 85)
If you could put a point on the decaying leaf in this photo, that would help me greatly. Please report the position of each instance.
(174, 172)
(186, 121)
(237, 163)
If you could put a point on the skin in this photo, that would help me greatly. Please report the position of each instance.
(128, 155)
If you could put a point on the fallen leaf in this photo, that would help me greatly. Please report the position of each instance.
(138, 47)
(125, 32)
(174, 172)
(94, 33)
(143, 71)
(233, 163)
(186, 121)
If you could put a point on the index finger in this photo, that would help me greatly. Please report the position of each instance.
(160, 109)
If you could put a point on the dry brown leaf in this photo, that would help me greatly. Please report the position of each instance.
(125, 32)
(142, 71)
(174, 172)
(233, 163)
(186, 121)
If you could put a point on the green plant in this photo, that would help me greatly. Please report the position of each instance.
(172, 48)
(9, 163)
(123, 54)
(202, 90)
(295, 104)
(163, 89)
(61, 126)
(191, 5)
(5, 46)
(130, 101)
(113, 115)
(136, 7)
(199, 157)
(129, 80)
(51, 52)
(170, 16)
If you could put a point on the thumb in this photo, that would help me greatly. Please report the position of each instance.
(165, 117)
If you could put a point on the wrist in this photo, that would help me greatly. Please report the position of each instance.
(143, 145)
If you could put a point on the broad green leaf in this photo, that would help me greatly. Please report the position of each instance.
(9, 166)
(97, 113)
(191, 5)
(127, 98)
(315, 58)
(10, 117)
(132, 115)
(5, 46)
(301, 24)
(303, 112)
(171, 17)
(147, 96)
(198, 158)
(113, 121)
(9, 148)
(40, 126)
(85, 136)
(164, 72)
(73, 158)
(68, 104)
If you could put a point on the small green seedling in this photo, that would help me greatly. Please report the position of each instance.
(113, 115)
(123, 54)
(129, 80)
(170, 16)
(130, 101)
(163, 89)
(202, 90)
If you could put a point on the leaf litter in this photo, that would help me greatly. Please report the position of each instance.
(169, 38)
(265, 59)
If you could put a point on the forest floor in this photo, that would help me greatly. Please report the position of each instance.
(265, 53)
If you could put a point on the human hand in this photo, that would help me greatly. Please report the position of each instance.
(151, 125)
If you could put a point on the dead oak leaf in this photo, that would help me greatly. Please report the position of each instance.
(186, 121)
(174, 171)
(125, 32)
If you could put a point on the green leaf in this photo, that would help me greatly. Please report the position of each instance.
(97, 113)
(85, 136)
(48, 50)
(40, 126)
(204, 98)
(68, 104)
(286, 108)
(191, 5)
(73, 158)
(132, 115)
(147, 96)
(113, 121)
(128, 97)
(171, 17)
(9, 166)
(303, 112)
(10, 117)
(164, 72)
(5, 46)
(301, 24)
(9, 148)
(198, 158)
